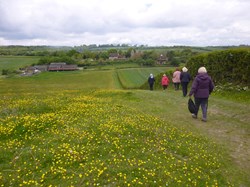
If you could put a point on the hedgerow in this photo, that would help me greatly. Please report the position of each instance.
(227, 66)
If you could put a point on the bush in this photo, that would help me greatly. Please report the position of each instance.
(5, 72)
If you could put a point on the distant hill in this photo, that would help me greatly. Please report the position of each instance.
(43, 50)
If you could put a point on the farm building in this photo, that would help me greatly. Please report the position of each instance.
(62, 66)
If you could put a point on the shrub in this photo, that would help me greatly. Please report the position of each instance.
(5, 72)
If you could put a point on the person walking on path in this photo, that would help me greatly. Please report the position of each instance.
(176, 79)
(201, 89)
(164, 81)
(185, 79)
(151, 81)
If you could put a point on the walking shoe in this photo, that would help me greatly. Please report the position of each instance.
(194, 116)
(204, 120)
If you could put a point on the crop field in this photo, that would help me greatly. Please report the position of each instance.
(83, 129)
(134, 78)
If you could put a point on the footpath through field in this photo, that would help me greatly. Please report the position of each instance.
(227, 125)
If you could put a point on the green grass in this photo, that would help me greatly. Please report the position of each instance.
(77, 80)
(81, 129)
(134, 78)
(16, 62)
(74, 138)
(119, 66)
(56, 81)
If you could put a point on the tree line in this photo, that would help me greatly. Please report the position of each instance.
(130, 55)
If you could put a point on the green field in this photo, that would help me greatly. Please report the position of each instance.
(134, 78)
(83, 128)
(16, 62)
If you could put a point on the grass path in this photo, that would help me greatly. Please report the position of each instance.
(227, 125)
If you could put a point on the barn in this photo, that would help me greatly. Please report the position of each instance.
(62, 66)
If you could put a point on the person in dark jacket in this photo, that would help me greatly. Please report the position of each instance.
(201, 88)
(151, 81)
(185, 79)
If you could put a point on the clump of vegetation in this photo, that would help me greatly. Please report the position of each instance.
(230, 87)
(5, 71)
(9, 72)
(233, 92)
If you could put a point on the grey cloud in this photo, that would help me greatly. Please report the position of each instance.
(163, 22)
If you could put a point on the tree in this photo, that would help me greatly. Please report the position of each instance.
(112, 51)
(104, 55)
(128, 52)
(72, 52)
(170, 55)
(149, 55)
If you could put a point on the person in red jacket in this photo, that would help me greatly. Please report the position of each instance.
(164, 81)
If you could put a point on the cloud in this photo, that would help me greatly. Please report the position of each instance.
(161, 22)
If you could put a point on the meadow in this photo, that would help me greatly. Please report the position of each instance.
(84, 129)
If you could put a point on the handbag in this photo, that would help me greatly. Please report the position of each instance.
(191, 106)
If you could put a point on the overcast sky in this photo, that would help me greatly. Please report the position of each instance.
(141, 22)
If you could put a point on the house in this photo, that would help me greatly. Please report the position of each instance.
(116, 56)
(162, 59)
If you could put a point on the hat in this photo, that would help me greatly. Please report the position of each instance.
(164, 75)
(184, 69)
(202, 70)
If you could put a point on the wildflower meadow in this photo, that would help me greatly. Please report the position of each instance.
(76, 138)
